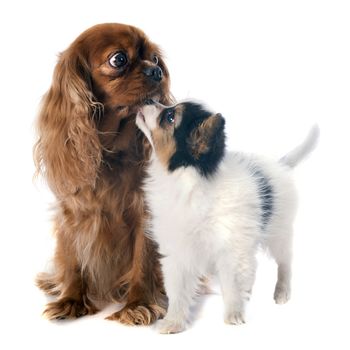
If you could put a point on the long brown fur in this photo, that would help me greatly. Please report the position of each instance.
(93, 157)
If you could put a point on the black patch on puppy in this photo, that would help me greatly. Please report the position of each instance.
(200, 140)
(266, 196)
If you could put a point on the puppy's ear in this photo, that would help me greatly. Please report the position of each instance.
(208, 136)
(68, 151)
(206, 144)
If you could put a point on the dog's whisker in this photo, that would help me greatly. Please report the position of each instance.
(108, 132)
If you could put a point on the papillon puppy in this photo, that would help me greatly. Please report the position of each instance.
(211, 209)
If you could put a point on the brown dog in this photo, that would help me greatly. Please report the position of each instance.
(92, 155)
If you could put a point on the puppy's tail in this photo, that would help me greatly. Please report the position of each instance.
(294, 157)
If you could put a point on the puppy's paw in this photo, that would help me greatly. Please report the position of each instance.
(282, 294)
(204, 286)
(68, 308)
(236, 318)
(138, 314)
(166, 326)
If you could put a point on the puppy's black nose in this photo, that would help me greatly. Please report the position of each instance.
(154, 73)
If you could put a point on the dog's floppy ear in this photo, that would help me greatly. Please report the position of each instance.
(207, 136)
(68, 151)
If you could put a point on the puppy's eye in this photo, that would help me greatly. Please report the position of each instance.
(155, 59)
(118, 60)
(170, 116)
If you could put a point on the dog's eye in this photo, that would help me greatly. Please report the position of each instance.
(170, 116)
(155, 59)
(118, 60)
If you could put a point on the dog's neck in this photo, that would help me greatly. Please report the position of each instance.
(123, 145)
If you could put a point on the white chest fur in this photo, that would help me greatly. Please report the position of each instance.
(197, 217)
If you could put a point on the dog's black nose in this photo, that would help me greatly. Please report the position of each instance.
(154, 73)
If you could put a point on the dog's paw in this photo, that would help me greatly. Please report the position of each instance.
(68, 308)
(166, 326)
(138, 314)
(47, 284)
(236, 318)
(281, 295)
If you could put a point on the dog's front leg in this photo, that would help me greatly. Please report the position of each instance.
(67, 283)
(145, 300)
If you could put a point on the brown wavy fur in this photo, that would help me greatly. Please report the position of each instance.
(92, 157)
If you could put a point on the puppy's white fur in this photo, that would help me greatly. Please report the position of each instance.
(213, 225)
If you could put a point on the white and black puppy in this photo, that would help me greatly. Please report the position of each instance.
(211, 209)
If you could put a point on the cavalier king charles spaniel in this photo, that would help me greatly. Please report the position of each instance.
(93, 158)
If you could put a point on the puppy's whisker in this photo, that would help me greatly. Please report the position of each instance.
(162, 105)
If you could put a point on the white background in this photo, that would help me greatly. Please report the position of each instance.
(272, 68)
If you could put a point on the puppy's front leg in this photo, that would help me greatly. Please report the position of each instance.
(236, 275)
(180, 286)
